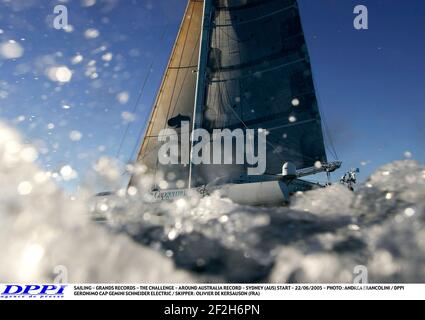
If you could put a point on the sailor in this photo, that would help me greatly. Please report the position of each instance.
(350, 178)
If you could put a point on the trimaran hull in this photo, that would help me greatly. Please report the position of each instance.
(269, 193)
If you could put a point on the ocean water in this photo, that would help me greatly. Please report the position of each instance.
(323, 236)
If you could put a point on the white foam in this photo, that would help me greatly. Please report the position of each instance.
(321, 237)
(42, 229)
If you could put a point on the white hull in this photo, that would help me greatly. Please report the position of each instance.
(268, 193)
(257, 194)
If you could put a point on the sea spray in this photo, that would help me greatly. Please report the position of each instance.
(42, 228)
(322, 237)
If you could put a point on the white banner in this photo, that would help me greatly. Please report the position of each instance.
(181, 292)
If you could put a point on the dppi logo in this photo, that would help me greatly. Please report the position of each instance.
(33, 291)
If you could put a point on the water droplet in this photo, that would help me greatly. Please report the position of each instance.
(123, 97)
(223, 219)
(408, 155)
(132, 191)
(353, 227)
(77, 59)
(60, 74)
(172, 235)
(295, 102)
(29, 154)
(11, 50)
(91, 33)
(318, 164)
(181, 203)
(75, 135)
(410, 212)
(103, 207)
(107, 56)
(25, 188)
(128, 116)
(67, 172)
(89, 3)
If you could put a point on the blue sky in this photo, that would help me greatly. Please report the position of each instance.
(370, 83)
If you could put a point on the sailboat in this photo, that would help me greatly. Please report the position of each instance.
(239, 64)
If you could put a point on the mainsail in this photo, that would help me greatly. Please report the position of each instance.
(249, 68)
(259, 77)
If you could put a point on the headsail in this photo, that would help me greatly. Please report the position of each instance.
(259, 76)
(176, 96)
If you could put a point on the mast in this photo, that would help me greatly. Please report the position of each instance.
(202, 74)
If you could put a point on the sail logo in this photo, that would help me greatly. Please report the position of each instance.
(222, 147)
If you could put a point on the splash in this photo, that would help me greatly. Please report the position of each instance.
(321, 237)
(42, 228)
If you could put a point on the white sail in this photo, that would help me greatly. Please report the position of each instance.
(176, 96)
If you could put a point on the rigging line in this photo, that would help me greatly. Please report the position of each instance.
(289, 125)
(186, 67)
(286, 64)
(241, 41)
(141, 93)
(134, 110)
(271, 14)
(327, 131)
(331, 152)
(319, 103)
(141, 132)
(242, 6)
(327, 136)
